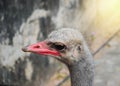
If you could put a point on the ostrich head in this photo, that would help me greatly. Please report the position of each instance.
(65, 44)
(68, 46)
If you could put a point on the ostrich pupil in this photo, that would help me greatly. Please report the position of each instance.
(59, 47)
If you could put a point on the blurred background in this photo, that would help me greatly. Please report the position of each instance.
(23, 22)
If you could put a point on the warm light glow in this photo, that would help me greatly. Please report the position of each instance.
(107, 5)
(108, 17)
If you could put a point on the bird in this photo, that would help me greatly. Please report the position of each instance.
(69, 47)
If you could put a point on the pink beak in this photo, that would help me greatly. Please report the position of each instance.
(40, 48)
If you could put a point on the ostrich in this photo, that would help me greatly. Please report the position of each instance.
(68, 46)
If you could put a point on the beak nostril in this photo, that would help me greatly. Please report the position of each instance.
(37, 46)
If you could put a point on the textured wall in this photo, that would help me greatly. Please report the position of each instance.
(23, 22)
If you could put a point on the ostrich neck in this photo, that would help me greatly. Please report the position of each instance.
(82, 72)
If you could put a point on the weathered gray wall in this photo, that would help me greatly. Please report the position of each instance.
(23, 22)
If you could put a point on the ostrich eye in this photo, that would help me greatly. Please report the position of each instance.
(59, 47)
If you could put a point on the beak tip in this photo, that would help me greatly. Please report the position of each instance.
(25, 49)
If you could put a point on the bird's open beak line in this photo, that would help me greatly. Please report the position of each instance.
(40, 48)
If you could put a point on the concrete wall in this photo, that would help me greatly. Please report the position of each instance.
(24, 22)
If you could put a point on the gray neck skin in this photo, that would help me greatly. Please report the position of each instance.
(82, 72)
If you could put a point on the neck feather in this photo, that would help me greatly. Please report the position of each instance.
(82, 72)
